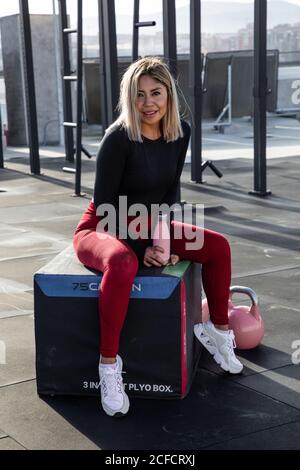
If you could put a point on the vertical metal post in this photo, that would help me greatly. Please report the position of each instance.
(170, 47)
(103, 94)
(195, 80)
(135, 31)
(66, 85)
(110, 57)
(56, 33)
(169, 31)
(79, 100)
(31, 114)
(260, 98)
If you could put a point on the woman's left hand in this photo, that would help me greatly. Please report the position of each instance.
(174, 259)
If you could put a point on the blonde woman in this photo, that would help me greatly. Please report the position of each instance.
(141, 156)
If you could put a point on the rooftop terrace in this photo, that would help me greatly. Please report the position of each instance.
(259, 409)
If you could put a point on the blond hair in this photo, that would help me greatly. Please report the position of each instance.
(129, 117)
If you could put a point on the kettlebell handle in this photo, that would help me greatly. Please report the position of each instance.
(244, 290)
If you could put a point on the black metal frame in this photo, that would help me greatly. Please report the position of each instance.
(170, 46)
(71, 78)
(260, 98)
(195, 85)
(135, 30)
(198, 166)
(169, 34)
(103, 96)
(110, 82)
(79, 101)
(107, 8)
(31, 114)
(66, 84)
(137, 24)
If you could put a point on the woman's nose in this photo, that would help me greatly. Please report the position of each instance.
(148, 99)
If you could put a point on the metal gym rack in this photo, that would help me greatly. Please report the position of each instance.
(109, 83)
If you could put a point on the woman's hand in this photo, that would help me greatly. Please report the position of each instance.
(174, 259)
(152, 257)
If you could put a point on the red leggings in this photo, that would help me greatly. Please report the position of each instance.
(119, 265)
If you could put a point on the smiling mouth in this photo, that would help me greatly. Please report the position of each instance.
(149, 113)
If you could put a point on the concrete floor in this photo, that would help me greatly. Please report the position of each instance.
(259, 409)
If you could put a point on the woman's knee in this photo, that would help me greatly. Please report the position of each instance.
(218, 243)
(124, 264)
(224, 246)
(81, 249)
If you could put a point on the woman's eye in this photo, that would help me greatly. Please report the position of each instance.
(155, 93)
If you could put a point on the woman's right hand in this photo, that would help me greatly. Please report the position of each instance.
(152, 258)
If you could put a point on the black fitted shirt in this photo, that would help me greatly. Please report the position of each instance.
(147, 172)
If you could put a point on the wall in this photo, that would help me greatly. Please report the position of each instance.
(45, 75)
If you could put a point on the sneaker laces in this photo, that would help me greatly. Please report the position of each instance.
(230, 343)
(112, 381)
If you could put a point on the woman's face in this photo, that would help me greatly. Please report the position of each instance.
(152, 101)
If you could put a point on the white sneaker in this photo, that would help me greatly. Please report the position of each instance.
(114, 400)
(220, 344)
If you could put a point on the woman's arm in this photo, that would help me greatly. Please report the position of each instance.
(171, 195)
(110, 167)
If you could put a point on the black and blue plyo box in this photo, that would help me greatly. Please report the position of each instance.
(158, 347)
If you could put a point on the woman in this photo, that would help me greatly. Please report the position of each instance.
(141, 156)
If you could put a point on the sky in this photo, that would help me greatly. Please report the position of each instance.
(122, 6)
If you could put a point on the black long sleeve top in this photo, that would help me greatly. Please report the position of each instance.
(147, 172)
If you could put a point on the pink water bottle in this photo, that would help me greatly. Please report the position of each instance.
(161, 236)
